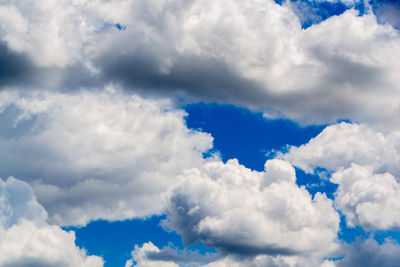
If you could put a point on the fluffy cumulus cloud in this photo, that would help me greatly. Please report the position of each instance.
(96, 155)
(245, 212)
(252, 53)
(26, 239)
(364, 163)
(366, 198)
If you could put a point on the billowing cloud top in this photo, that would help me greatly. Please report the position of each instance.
(254, 54)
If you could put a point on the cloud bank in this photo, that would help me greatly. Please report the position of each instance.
(254, 54)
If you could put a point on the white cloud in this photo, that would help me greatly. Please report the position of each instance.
(341, 144)
(364, 163)
(25, 237)
(139, 256)
(369, 199)
(252, 53)
(245, 212)
(96, 155)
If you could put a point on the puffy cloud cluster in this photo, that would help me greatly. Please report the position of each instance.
(364, 163)
(254, 53)
(99, 155)
(245, 212)
(26, 239)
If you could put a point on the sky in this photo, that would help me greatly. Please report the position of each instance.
(199, 133)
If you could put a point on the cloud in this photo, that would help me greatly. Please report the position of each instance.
(369, 199)
(26, 239)
(254, 54)
(362, 252)
(369, 253)
(150, 255)
(96, 155)
(342, 144)
(244, 212)
(140, 257)
(364, 163)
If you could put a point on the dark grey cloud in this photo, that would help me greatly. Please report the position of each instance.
(15, 68)
(368, 253)
(203, 77)
(184, 256)
(18, 70)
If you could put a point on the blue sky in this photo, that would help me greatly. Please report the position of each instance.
(200, 133)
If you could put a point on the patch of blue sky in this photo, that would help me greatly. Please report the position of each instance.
(349, 234)
(114, 241)
(245, 135)
(312, 12)
(381, 235)
(317, 182)
(387, 11)
(120, 27)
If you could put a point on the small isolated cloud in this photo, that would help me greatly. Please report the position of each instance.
(26, 239)
(244, 212)
(96, 155)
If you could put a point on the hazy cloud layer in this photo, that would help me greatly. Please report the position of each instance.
(26, 239)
